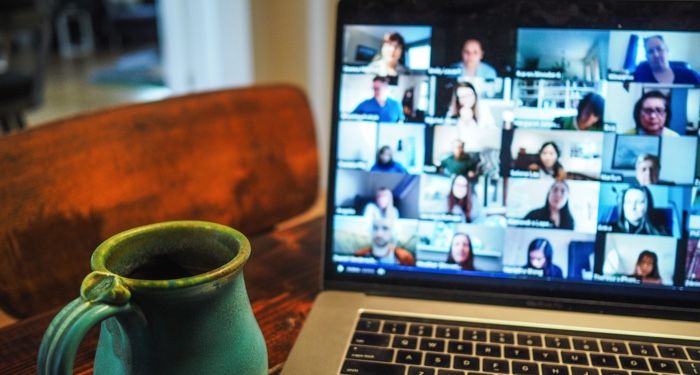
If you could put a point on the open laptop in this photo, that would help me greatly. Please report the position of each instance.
(513, 189)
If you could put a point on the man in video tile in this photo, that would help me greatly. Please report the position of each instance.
(647, 169)
(659, 69)
(460, 162)
(472, 64)
(383, 247)
(388, 109)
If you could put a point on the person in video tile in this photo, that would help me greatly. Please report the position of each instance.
(659, 69)
(459, 200)
(548, 162)
(465, 107)
(461, 252)
(459, 163)
(589, 116)
(647, 169)
(539, 257)
(472, 64)
(388, 61)
(652, 115)
(383, 247)
(634, 211)
(383, 205)
(388, 109)
(385, 162)
(647, 269)
(556, 208)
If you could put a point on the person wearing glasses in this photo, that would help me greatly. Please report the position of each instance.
(658, 68)
(652, 115)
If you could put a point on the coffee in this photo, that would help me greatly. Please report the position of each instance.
(168, 267)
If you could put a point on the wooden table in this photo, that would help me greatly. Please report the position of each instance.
(282, 277)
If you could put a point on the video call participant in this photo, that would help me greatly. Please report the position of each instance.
(548, 162)
(652, 115)
(388, 109)
(384, 162)
(588, 117)
(539, 257)
(634, 210)
(383, 205)
(647, 169)
(461, 252)
(472, 64)
(647, 268)
(459, 199)
(556, 207)
(388, 61)
(465, 107)
(658, 68)
(383, 247)
(459, 163)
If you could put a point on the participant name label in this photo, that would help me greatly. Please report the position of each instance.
(538, 74)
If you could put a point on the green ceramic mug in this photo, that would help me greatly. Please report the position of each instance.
(171, 300)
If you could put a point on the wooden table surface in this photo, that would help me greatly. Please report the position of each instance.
(282, 278)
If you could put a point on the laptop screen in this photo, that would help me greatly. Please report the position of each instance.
(551, 150)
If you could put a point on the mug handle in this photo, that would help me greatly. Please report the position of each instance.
(102, 295)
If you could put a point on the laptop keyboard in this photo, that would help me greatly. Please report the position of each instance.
(399, 345)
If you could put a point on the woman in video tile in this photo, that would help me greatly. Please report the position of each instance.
(539, 257)
(461, 252)
(384, 162)
(589, 115)
(659, 69)
(388, 61)
(383, 205)
(548, 162)
(556, 208)
(466, 108)
(459, 199)
(647, 270)
(652, 115)
(634, 213)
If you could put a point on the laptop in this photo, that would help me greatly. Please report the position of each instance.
(513, 188)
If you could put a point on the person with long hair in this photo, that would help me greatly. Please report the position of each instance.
(634, 209)
(466, 107)
(459, 198)
(461, 251)
(385, 162)
(646, 269)
(652, 115)
(589, 115)
(548, 162)
(382, 206)
(539, 257)
(388, 61)
(556, 207)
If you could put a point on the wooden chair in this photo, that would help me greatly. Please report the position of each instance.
(244, 157)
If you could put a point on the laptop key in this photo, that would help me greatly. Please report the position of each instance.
(396, 328)
(542, 355)
(633, 363)
(498, 366)
(614, 372)
(410, 357)
(694, 353)
(529, 340)
(663, 365)
(589, 345)
(447, 332)
(646, 350)
(557, 342)
(425, 330)
(437, 360)
(353, 367)
(502, 337)
(474, 334)
(404, 342)
(434, 345)
(413, 370)
(672, 352)
(574, 358)
(460, 347)
(525, 368)
(373, 339)
(463, 362)
(487, 350)
(370, 353)
(554, 370)
(614, 347)
(584, 371)
(368, 325)
(516, 352)
(604, 360)
(692, 368)
(450, 372)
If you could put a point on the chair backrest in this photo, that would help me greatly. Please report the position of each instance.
(244, 157)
